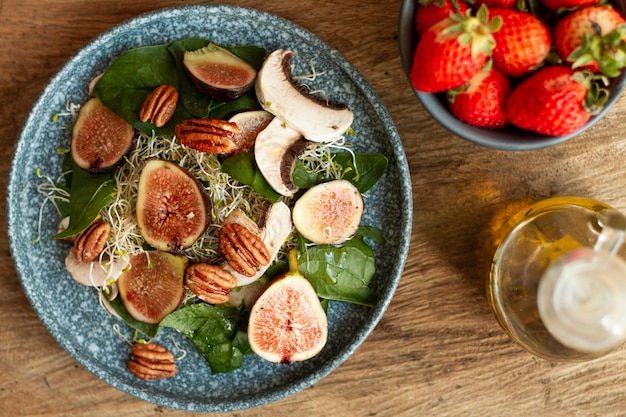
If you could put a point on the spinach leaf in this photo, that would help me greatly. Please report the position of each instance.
(89, 193)
(371, 232)
(133, 75)
(340, 273)
(150, 330)
(304, 179)
(214, 330)
(243, 168)
(364, 170)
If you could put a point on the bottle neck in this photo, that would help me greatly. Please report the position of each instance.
(582, 300)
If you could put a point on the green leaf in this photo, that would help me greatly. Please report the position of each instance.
(243, 168)
(131, 77)
(214, 330)
(150, 330)
(340, 273)
(363, 170)
(371, 232)
(89, 194)
(303, 178)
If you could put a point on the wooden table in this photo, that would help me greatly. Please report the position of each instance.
(438, 350)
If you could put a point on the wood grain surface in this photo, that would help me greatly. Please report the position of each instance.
(438, 350)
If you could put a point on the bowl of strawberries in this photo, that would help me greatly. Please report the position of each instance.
(515, 74)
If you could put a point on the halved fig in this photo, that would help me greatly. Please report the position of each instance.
(329, 213)
(288, 100)
(219, 73)
(153, 286)
(275, 151)
(172, 207)
(100, 138)
(250, 123)
(287, 322)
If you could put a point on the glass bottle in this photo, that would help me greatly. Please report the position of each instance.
(557, 284)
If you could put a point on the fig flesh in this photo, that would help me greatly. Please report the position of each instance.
(329, 213)
(153, 286)
(172, 207)
(218, 73)
(250, 123)
(100, 138)
(287, 322)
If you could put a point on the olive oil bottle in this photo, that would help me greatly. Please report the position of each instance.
(558, 283)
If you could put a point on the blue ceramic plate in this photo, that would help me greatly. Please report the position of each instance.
(71, 312)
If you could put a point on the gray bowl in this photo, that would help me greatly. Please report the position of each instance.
(511, 138)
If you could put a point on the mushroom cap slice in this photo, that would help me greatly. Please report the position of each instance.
(275, 229)
(289, 101)
(95, 273)
(275, 151)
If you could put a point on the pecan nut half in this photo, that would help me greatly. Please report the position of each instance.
(243, 250)
(212, 136)
(210, 283)
(151, 361)
(91, 241)
(159, 106)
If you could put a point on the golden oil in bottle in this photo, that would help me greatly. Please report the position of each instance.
(556, 238)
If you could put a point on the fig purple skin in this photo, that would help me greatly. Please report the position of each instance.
(218, 73)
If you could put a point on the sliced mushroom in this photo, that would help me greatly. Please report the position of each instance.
(276, 149)
(274, 230)
(106, 298)
(288, 100)
(95, 274)
(239, 217)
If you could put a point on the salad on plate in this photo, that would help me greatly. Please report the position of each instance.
(209, 190)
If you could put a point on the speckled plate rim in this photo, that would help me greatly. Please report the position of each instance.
(496, 139)
(402, 220)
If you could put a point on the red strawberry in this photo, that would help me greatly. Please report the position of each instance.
(430, 12)
(592, 38)
(481, 102)
(554, 101)
(452, 51)
(522, 44)
(497, 4)
(567, 4)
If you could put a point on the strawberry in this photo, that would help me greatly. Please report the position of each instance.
(497, 4)
(592, 38)
(430, 12)
(481, 101)
(522, 44)
(556, 5)
(555, 101)
(452, 51)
